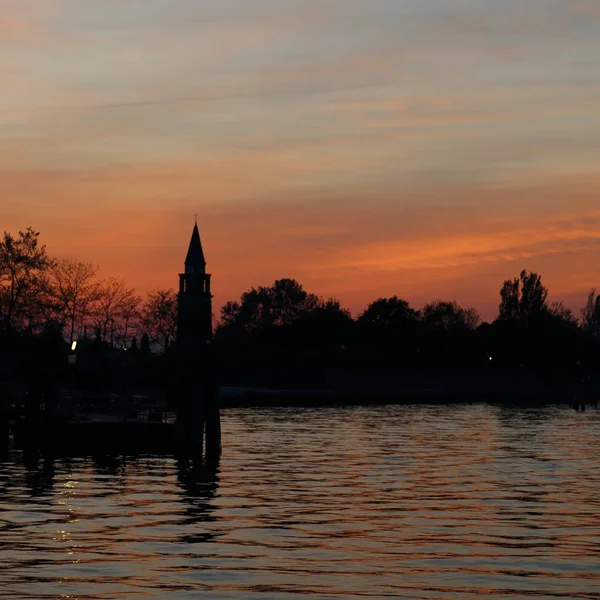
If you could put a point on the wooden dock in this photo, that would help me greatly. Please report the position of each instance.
(96, 431)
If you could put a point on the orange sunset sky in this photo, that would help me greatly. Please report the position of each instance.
(428, 149)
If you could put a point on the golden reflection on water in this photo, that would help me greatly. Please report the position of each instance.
(400, 502)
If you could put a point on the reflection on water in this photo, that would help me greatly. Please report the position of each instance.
(399, 502)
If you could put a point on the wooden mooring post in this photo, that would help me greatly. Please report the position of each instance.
(4, 430)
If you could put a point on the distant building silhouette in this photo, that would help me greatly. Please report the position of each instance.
(194, 317)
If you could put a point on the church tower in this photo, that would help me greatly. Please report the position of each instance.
(194, 318)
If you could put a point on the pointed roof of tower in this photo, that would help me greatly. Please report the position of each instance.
(195, 255)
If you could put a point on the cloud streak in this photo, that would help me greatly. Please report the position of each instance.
(413, 148)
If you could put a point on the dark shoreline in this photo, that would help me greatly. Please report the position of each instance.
(286, 400)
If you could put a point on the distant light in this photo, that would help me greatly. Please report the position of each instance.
(74, 346)
(490, 359)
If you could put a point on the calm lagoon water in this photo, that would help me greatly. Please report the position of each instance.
(451, 502)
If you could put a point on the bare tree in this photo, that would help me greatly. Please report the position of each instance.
(72, 290)
(158, 319)
(114, 309)
(130, 316)
(560, 311)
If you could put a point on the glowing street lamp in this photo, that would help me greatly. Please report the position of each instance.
(73, 357)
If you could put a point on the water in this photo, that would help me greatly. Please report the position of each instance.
(452, 502)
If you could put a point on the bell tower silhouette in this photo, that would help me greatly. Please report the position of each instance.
(198, 422)
(194, 317)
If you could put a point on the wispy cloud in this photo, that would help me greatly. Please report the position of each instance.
(361, 146)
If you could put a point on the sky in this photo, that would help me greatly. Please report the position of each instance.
(427, 149)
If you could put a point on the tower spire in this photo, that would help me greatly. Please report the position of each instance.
(194, 261)
(194, 319)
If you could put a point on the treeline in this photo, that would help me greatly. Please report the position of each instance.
(283, 331)
(284, 325)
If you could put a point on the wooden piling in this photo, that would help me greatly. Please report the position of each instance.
(213, 432)
(4, 431)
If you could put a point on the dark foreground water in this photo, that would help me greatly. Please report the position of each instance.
(394, 502)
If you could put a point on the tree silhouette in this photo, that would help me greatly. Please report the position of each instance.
(449, 317)
(245, 316)
(560, 311)
(261, 308)
(590, 314)
(71, 290)
(115, 307)
(388, 313)
(159, 317)
(446, 336)
(523, 298)
(288, 301)
(22, 262)
(390, 326)
(332, 308)
(327, 323)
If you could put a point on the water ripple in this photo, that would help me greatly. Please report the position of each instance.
(410, 502)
